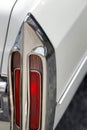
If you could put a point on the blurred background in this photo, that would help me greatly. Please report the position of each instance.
(75, 117)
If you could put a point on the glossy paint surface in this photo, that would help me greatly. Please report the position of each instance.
(61, 19)
(5, 9)
(65, 23)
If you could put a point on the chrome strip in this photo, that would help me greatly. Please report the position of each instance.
(4, 106)
(78, 70)
(2, 87)
(34, 41)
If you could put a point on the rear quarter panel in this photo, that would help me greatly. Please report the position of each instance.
(65, 23)
(5, 10)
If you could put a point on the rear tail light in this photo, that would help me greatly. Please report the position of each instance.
(35, 85)
(16, 86)
(35, 79)
(35, 91)
(33, 100)
(17, 96)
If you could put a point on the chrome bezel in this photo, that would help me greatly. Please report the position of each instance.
(12, 125)
(32, 33)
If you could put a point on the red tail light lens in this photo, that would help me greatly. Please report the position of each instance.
(17, 96)
(35, 74)
(35, 92)
(35, 79)
(15, 70)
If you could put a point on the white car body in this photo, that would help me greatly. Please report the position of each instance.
(65, 24)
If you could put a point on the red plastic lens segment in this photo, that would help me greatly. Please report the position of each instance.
(35, 83)
(36, 71)
(17, 96)
(15, 76)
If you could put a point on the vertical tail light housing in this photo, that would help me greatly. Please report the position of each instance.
(15, 73)
(35, 65)
(33, 89)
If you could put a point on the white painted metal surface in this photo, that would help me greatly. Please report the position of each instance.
(5, 9)
(72, 87)
(65, 23)
(19, 13)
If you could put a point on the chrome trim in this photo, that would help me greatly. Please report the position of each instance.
(33, 40)
(4, 106)
(78, 70)
(16, 48)
(2, 86)
(13, 126)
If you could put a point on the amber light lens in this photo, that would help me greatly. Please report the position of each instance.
(35, 92)
(17, 96)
